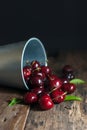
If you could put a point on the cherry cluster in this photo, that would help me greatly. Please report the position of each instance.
(45, 87)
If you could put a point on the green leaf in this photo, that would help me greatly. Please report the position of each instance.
(72, 97)
(14, 101)
(77, 81)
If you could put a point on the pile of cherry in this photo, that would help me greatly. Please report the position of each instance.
(45, 87)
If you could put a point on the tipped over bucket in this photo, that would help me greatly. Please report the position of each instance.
(13, 58)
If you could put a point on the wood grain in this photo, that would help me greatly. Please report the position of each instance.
(12, 117)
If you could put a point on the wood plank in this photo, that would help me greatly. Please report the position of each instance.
(70, 115)
(14, 117)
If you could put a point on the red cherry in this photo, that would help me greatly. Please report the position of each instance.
(44, 93)
(67, 69)
(45, 102)
(27, 72)
(46, 70)
(56, 83)
(38, 90)
(58, 96)
(30, 97)
(69, 76)
(35, 64)
(36, 81)
(38, 73)
(68, 87)
(64, 80)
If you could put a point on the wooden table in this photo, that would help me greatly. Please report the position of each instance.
(70, 115)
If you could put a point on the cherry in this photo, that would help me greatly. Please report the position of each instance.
(68, 87)
(46, 87)
(30, 97)
(38, 73)
(44, 93)
(45, 102)
(56, 83)
(36, 81)
(27, 72)
(64, 80)
(67, 69)
(69, 76)
(46, 70)
(35, 64)
(38, 90)
(58, 96)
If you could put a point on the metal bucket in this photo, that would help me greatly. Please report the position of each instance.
(13, 58)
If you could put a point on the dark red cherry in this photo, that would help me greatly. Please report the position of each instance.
(46, 70)
(69, 76)
(35, 64)
(36, 81)
(39, 73)
(27, 72)
(58, 96)
(45, 102)
(56, 83)
(64, 80)
(38, 90)
(30, 97)
(68, 87)
(67, 69)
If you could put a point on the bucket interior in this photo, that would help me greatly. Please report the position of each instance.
(33, 50)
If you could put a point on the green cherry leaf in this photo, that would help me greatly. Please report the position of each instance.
(72, 97)
(77, 81)
(14, 101)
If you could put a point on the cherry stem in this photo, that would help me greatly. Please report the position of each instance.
(37, 69)
(60, 96)
(50, 77)
(52, 90)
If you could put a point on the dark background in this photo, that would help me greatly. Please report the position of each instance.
(58, 24)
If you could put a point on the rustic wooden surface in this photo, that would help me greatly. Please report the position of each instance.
(12, 117)
(70, 115)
